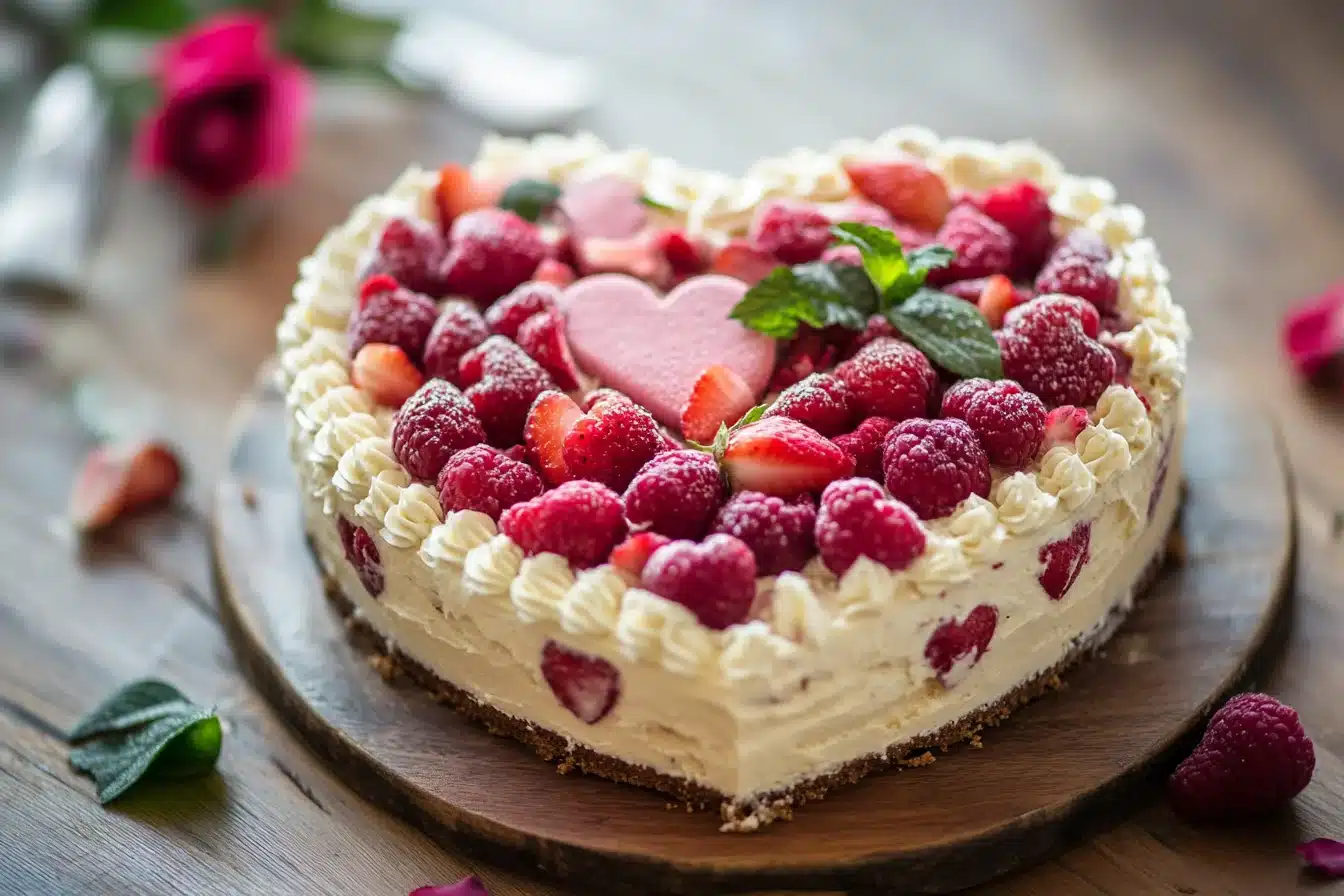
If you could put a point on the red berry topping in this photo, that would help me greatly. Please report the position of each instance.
(580, 521)
(385, 373)
(993, 295)
(635, 255)
(982, 245)
(1023, 209)
(1049, 345)
(507, 315)
(486, 480)
(740, 259)
(676, 494)
(934, 465)
(865, 445)
(888, 378)
(794, 232)
(434, 424)
(551, 418)
(778, 530)
(361, 552)
(604, 394)
(1077, 267)
(686, 256)
(843, 254)
(821, 401)
(907, 188)
(878, 327)
(715, 580)
(1254, 758)
(490, 252)
(504, 382)
(632, 555)
(556, 273)
(857, 211)
(410, 251)
(400, 317)
(457, 193)
(780, 456)
(459, 329)
(611, 442)
(542, 336)
(1124, 364)
(1009, 421)
(587, 686)
(376, 285)
(719, 397)
(953, 641)
(806, 354)
(857, 520)
(1062, 426)
(1064, 561)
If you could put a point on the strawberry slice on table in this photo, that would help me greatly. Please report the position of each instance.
(587, 686)
(740, 259)
(719, 397)
(907, 188)
(457, 193)
(780, 456)
(552, 416)
(119, 479)
(386, 373)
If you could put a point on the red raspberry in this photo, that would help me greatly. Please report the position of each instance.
(983, 246)
(715, 580)
(632, 555)
(604, 394)
(1124, 364)
(400, 317)
(375, 285)
(504, 382)
(580, 521)
(434, 424)
(1049, 346)
(865, 445)
(490, 251)
(778, 530)
(806, 354)
(361, 552)
(972, 290)
(952, 641)
(1254, 757)
(1077, 267)
(587, 686)
(556, 273)
(459, 329)
(843, 254)
(934, 465)
(542, 336)
(686, 256)
(878, 327)
(1062, 425)
(1023, 209)
(857, 211)
(857, 520)
(410, 251)
(1009, 421)
(821, 401)
(509, 313)
(792, 231)
(1063, 561)
(611, 442)
(676, 494)
(489, 481)
(888, 378)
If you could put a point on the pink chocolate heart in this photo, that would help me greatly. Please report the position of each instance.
(654, 349)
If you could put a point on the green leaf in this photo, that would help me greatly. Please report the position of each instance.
(656, 205)
(530, 198)
(149, 16)
(777, 305)
(951, 332)
(720, 443)
(132, 706)
(883, 258)
(117, 761)
(928, 257)
(751, 416)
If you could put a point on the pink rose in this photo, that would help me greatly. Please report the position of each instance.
(231, 110)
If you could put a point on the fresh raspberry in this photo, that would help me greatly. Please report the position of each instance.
(459, 329)
(604, 394)
(686, 256)
(1063, 561)
(1049, 346)
(676, 494)
(982, 246)
(361, 552)
(400, 317)
(843, 254)
(486, 480)
(587, 686)
(580, 521)
(907, 188)
(857, 520)
(878, 327)
(888, 378)
(1062, 426)
(1254, 757)
(556, 273)
(1009, 421)
(953, 641)
(794, 232)
(865, 445)
(434, 424)
(504, 382)
(542, 336)
(805, 355)
(934, 465)
(376, 285)
(821, 401)
(857, 211)
(1077, 267)
(715, 580)
(410, 251)
(509, 313)
(385, 374)
(778, 530)
(611, 442)
(490, 251)
(1023, 209)
(632, 555)
(559, 246)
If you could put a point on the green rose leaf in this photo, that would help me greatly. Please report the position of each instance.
(530, 199)
(951, 332)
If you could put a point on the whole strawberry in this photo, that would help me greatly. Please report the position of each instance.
(1254, 757)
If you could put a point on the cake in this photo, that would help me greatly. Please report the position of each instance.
(738, 488)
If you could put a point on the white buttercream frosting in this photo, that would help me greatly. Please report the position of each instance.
(319, 347)
(593, 605)
(1121, 411)
(975, 526)
(542, 583)
(408, 523)
(491, 568)
(1023, 505)
(1105, 453)
(943, 563)
(446, 547)
(1064, 475)
(360, 464)
(795, 611)
(330, 443)
(384, 492)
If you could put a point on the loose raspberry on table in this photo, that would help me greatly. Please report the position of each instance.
(676, 494)
(401, 317)
(888, 378)
(410, 251)
(952, 641)
(434, 424)
(509, 313)
(1049, 345)
(632, 555)
(611, 442)
(581, 521)
(1254, 758)
(490, 252)
(361, 551)
(934, 465)
(793, 231)
(1023, 208)
(857, 520)
(459, 329)
(486, 480)
(982, 245)
(865, 445)
(1008, 420)
(821, 401)
(1063, 561)
(778, 530)
(1078, 267)
(503, 382)
(588, 686)
(715, 579)
(542, 336)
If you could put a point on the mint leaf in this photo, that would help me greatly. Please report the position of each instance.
(819, 294)
(529, 198)
(657, 206)
(132, 706)
(116, 762)
(928, 257)
(895, 273)
(951, 332)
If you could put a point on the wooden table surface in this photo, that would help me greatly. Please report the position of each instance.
(1221, 119)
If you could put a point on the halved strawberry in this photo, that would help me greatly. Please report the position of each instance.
(457, 193)
(555, 272)
(780, 456)
(636, 255)
(742, 260)
(542, 336)
(118, 479)
(376, 285)
(998, 295)
(630, 555)
(719, 397)
(587, 686)
(907, 188)
(1062, 426)
(386, 373)
(686, 255)
(552, 416)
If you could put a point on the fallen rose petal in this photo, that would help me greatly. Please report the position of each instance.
(1326, 856)
(467, 886)
(1313, 333)
(118, 479)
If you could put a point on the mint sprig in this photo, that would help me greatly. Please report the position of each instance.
(951, 332)
(146, 729)
(895, 274)
(529, 198)
(818, 294)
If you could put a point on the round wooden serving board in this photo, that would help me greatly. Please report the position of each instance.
(1058, 769)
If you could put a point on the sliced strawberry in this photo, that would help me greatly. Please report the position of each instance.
(552, 416)
(587, 686)
(1064, 561)
(907, 188)
(780, 456)
(118, 479)
(457, 193)
(636, 255)
(386, 374)
(630, 555)
(555, 272)
(376, 285)
(742, 260)
(1062, 426)
(718, 397)
(686, 255)
(542, 336)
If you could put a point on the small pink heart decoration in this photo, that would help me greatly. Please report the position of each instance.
(653, 349)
